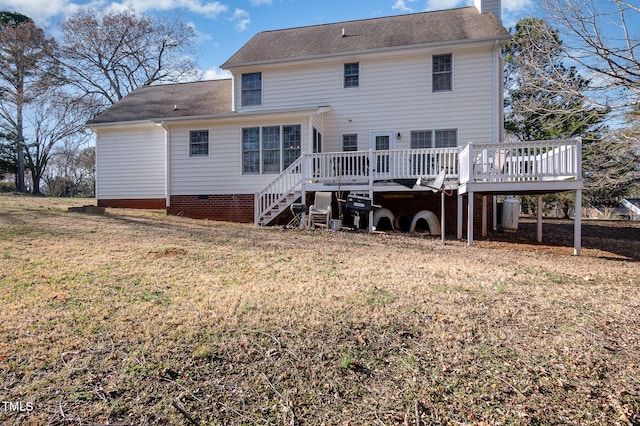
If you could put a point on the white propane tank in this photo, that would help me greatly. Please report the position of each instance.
(510, 214)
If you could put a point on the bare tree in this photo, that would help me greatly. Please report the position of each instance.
(71, 171)
(54, 119)
(25, 72)
(602, 39)
(108, 55)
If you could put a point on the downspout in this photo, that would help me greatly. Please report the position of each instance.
(497, 87)
(167, 189)
(499, 119)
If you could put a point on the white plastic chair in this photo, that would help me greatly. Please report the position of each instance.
(320, 210)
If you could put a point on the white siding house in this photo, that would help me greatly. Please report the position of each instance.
(367, 107)
(130, 162)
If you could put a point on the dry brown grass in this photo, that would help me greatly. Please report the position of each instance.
(131, 317)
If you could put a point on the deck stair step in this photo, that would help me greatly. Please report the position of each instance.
(279, 208)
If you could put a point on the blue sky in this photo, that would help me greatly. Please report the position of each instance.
(224, 26)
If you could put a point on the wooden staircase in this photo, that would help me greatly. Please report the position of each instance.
(278, 196)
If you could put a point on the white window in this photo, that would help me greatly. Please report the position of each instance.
(252, 89)
(445, 138)
(270, 149)
(442, 75)
(432, 163)
(421, 139)
(352, 75)
(317, 141)
(349, 142)
(251, 150)
(198, 143)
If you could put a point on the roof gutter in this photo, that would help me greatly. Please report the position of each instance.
(243, 115)
(136, 123)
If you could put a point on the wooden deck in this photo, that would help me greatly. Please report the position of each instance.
(537, 167)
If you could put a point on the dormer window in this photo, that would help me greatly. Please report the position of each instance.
(352, 75)
(442, 73)
(252, 89)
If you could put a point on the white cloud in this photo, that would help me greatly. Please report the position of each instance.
(208, 9)
(260, 2)
(215, 74)
(401, 6)
(43, 10)
(39, 10)
(241, 18)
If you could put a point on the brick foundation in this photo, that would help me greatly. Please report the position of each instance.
(135, 203)
(228, 208)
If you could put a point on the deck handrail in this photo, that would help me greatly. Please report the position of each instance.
(353, 166)
(521, 161)
(288, 181)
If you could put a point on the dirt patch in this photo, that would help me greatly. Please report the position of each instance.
(615, 239)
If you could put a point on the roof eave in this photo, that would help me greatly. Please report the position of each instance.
(241, 115)
(502, 39)
(107, 124)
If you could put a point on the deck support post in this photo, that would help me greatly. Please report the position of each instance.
(459, 217)
(470, 219)
(495, 213)
(371, 212)
(577, 223)
(484, 216)
(442, 216)
(539, 215)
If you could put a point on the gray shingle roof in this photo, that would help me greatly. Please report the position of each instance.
(370, 34)
(201, 98)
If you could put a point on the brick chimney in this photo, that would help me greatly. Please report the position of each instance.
(491, 6)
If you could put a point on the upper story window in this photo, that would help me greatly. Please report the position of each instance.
(352, 75)
(198, 143)
(349, 143)
(442, 73)
(252, 89)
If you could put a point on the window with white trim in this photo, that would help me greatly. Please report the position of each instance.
(352, 75)
(431, 163)
(270, 149)
(291, 145)
(317, 141)
(447, 138)
(198, 143)
(442, 74)
(251, 150)
(442, 138)
(251, 89)
(421, 139)
(349, 143)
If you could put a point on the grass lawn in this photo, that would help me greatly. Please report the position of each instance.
(139, 318)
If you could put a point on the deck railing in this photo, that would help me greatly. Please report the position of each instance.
(365, 166)
(521, 161)
(287, 182)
